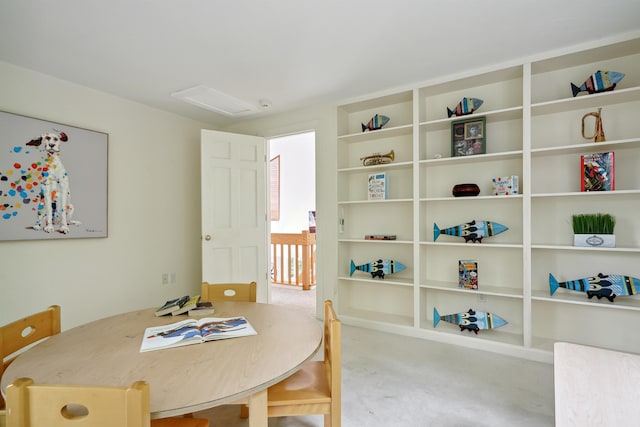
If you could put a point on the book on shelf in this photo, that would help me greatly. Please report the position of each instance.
(468, 274)
(172, 305)
(505, 185)
(191, 304)
(195, 331)
(203, 308)
(597, 172)
(380, 237)
(378, 186)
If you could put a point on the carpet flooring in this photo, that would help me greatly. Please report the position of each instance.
(395, 381)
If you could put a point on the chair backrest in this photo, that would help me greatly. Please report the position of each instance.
(24, 332)
(333, 350)
(46, 405)
(228, 292)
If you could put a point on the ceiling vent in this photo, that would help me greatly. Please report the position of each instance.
(211, 99)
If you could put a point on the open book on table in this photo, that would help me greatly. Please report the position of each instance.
(195, 331)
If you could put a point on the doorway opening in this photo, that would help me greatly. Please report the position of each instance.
(292, 206)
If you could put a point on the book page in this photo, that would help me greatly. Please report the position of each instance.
(173, 335)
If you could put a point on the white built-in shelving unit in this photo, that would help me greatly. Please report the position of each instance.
(533, 130)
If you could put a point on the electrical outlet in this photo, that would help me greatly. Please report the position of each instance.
(482, 298)
(165, 278)
(172, 278)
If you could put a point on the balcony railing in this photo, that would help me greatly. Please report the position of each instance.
(293, 259)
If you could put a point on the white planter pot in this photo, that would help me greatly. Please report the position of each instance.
(595, 240)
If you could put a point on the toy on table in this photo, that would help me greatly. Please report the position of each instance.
(602, 285)
(600, 81)
(375, 123)
(377, 268)
(471, 320)
(464, 107)
(474, 230)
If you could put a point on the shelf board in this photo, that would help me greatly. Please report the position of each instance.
(362, 240)
(377, 134)
(586, 101)
(585, 147)
(490, 157)
(510, 113)
(357, 315)
(475, 245)
(580, 248)
(462, 199)
(493, 335)
(365, 202)
(587, 193)
(373, 169)
(388, 281)
(498, 291)
(580, 298)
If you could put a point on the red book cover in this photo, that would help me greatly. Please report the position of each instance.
(597, 172)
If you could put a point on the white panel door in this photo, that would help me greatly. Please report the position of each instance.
(234, 209)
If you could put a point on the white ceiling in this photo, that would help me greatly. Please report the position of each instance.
(292, 52)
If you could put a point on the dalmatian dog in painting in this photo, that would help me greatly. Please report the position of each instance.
(55, 193)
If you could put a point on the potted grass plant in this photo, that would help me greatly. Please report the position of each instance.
(595, 230)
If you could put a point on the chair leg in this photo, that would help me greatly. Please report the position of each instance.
(244, 411)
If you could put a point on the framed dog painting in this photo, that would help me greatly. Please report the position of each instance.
(53, 180)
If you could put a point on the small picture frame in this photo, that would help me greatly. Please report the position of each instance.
(468, 137)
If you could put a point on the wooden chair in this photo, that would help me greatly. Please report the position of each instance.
(228, 292)
(52, 405)
(316, 388)
(243, 292)
(21, 333)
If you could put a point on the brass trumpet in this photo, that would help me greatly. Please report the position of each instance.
(378, 159)
(598, 132)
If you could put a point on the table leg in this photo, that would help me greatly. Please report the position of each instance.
(258, 409)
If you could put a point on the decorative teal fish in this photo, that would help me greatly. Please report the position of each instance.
(474, 230)
(466, 106)
(377, 268)
(375, 123)
(600, 81)
(603, 285)
(471, 320)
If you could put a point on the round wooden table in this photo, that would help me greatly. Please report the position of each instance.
(182, 379)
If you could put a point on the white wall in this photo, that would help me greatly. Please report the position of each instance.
(297, 181)
(153, 208)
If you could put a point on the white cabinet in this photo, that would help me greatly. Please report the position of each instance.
(556, 146)
(533, 130)
(360, 293)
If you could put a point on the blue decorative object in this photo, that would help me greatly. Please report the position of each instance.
(464, 107)
(602, 285)
(375, 123)
(471, 320)
(377, 268)
(600, 81)
(474, 230)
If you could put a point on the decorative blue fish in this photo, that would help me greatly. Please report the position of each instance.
(600, 81)
(464, 107)
(471, 320)
(377, 268)
(375, 123)
(474, 230)
(603, 285)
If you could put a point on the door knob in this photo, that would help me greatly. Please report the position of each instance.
(207, 237)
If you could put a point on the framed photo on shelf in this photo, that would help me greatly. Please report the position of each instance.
(468, 137)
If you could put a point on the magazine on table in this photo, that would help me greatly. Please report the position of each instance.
(195, 331)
